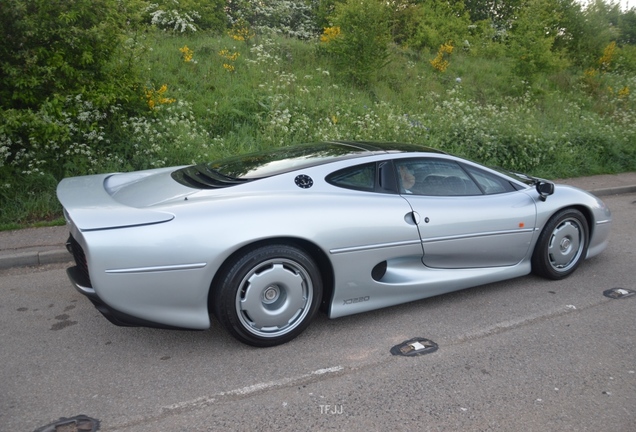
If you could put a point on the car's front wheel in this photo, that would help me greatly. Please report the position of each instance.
(562, 245)
(269, 295)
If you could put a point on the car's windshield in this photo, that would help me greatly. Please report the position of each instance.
(521, 177)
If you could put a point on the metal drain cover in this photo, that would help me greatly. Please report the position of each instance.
(616, 293)
(415, 347)
(80, 423)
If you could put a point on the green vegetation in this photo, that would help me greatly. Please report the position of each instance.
(542, 86)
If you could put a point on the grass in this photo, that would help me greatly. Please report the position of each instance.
(277, 91)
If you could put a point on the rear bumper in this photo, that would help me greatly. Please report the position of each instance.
(116, 317)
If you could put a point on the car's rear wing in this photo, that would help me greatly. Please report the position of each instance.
(89, 207)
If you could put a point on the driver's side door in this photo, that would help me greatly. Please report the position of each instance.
(467, 218)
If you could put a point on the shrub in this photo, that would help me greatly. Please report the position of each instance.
(428, 25)
(361, 48)
(440, 62)
(585, 32)
(285, 17)
(168, 17)
(211, 14)
(53, 51)
(532, 39)
(58, 47)
(626, 59)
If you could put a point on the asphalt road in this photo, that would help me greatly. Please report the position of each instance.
(526, 354)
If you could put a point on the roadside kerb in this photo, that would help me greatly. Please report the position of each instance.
(25, 259)
(613, 191)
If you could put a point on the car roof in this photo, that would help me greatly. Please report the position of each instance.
(386, 147)
(252, 166)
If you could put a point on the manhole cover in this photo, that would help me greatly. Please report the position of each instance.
(616, 293)
(80, 423)
(415, 347)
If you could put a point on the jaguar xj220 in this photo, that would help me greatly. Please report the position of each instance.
(262, 241)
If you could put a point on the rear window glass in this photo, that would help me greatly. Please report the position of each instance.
(359, 177)
(241, 169)
(265, 164)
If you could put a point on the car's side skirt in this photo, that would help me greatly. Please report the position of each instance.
(408, 280)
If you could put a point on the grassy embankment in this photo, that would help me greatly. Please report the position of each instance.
(223, 97)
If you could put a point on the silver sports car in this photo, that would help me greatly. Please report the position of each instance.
(262, 241)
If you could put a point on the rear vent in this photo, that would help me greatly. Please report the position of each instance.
(80, 260)
(201, 177)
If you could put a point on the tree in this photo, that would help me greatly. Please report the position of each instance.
(360, 48)
(500, 12)
(532, 39)
(627, 27)
(50, 47)
(429, 23)
(294, 18)
(585, 32)
(211, 13)
(59, 57)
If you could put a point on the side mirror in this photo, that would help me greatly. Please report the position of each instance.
(545, 189)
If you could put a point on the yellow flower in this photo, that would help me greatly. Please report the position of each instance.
(329, 34)
(608, 55)
(155, 97)
(624, 92)
(187, 53)
(230, 57)
(446, 48)
(240, 31)
(590, 73)
(440, 62)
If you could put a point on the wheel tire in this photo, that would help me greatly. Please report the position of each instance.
(269, 295)
(562, 245)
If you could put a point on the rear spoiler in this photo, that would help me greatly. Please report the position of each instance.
(90, 207)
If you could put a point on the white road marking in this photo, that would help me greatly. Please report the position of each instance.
(207, 400)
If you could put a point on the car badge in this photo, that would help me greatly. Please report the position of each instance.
(303, 181)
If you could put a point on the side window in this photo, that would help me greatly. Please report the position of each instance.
(359, 177)
(490, 183)
(434, 177)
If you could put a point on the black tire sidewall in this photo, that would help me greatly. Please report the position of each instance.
(540, 260)
(238, 268)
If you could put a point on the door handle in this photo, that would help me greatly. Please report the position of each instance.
(412, 217)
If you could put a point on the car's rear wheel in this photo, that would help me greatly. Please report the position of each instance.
(269, 295)
(562, 245)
